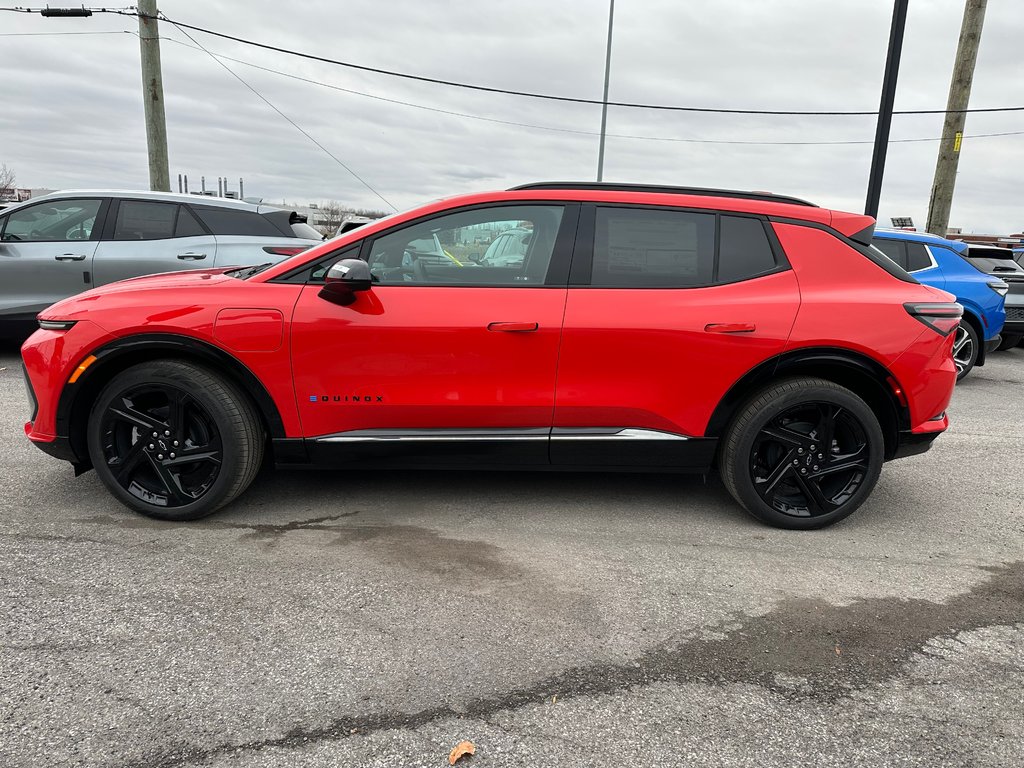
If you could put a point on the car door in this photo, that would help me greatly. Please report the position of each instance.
(46, 252)
(438, 362)
(146, 237)
(667, 309)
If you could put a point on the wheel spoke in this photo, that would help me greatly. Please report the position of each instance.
(132, 415)
(191, 455)
(782, 469)
(169, 481)
(176, 406)
(826, 426)
(784, 435)
(816, 501)
(123, 467)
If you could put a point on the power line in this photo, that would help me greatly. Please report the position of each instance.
(41, 34)
(535, 126)
(530, 94)
(297, 127)
(569, 99)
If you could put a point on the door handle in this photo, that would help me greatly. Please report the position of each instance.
(71, 257)
(512, 327)
(730, 327)
(191, 256)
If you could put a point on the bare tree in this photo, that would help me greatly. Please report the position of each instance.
(7, 178)
(332, 212)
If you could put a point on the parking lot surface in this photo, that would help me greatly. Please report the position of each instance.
(379, 618)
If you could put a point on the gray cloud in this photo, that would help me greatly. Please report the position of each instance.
(72, 114)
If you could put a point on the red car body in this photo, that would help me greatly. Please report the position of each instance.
(543, 361)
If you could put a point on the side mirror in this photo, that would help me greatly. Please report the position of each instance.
(344, 279)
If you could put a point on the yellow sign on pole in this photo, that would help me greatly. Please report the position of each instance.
(956, 141)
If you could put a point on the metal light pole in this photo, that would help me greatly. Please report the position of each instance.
(604, 106)
(892, 70)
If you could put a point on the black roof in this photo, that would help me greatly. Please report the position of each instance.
(612, 186)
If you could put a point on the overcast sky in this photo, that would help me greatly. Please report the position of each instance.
(71, 110)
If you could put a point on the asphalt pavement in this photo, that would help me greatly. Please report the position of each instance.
(379, 618)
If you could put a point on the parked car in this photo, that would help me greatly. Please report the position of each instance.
(647, 328)
(939, 262)
(508, 249)
(1000, 263)
(351, 221)
(61, 244)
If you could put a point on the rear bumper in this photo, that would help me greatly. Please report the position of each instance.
(992, 343)
(920, 439)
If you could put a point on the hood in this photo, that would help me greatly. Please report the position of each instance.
(189, 279)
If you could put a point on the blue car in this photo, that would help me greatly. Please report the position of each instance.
(943, 264)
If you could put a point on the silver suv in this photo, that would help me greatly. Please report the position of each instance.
(54, 246)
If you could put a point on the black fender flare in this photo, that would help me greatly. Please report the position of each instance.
(114, 356)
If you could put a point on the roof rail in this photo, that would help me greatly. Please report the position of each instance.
(616, 187)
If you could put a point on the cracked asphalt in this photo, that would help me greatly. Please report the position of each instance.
(377, 619)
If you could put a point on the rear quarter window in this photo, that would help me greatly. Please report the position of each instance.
(744, 250)
(228, 221)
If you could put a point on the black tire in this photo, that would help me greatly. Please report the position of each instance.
(152, 418)
(1009, 341)
(966, 347)
(776, 437)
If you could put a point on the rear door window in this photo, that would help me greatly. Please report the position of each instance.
(144, 221)
(643, 248)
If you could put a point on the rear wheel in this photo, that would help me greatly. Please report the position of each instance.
(173, 440)
(965, 349)
(1009, 341)
(802, 454)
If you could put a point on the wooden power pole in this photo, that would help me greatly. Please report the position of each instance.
(953, 127)
(153, 97)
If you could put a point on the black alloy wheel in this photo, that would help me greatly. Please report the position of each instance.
(174, 440)
(161, 445)
(802, 453)
(810, 459)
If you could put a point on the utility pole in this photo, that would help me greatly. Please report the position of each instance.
(892, 70)
(153, 97)
(953, 127)
(604, 105)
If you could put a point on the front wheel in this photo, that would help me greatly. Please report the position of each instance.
(173, 440)
(802, 454)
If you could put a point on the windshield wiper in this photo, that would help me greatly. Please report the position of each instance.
(247, 272)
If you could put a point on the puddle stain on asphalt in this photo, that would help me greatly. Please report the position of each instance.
(257, 530)
(798, 640)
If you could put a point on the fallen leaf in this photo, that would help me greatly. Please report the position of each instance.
(462, 749)
(554, 698)
(839, 651)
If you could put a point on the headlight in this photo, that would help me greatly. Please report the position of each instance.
(57, 325)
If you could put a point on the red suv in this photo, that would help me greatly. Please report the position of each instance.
(644, 328)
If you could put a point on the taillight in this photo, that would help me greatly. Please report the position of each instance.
(942, 318)
(284, 250)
